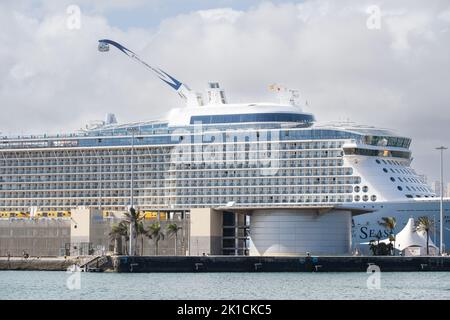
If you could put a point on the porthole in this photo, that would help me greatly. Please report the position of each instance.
(373, 198)
(365, 188)
(400, 179)
(357, 198)
(357, 189)
(377, 161)
(392, 179)
(365, 197)
(399, 188)
(385, 170)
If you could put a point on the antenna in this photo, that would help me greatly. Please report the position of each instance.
(285, 95)
(215, 94)
(191, 98)
(110, 119)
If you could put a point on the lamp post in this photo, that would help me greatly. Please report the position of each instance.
(441, 229)
(132, 215)
(100, 175)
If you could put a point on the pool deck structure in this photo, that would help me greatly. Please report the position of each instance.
(142, 264)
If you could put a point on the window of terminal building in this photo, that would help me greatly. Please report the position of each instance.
(228, 219)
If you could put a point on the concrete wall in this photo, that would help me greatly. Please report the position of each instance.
(89, 227)
(205, 232)
(43, 237)
(295, 232)
(80, 226)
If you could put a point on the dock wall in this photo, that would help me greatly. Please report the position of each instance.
(38, 264)
(127, 264)
(278, 264)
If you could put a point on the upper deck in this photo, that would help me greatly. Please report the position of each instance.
(289, 122)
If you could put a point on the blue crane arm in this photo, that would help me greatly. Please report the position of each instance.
(103, 46)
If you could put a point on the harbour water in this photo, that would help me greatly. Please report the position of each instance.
(53, 285)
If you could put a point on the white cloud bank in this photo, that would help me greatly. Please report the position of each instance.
(53, 78)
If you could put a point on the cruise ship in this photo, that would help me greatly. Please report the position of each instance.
(300, 183)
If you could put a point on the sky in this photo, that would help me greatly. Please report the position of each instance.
(381, 63)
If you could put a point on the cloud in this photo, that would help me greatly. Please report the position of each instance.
(226, 15)
(53, 78)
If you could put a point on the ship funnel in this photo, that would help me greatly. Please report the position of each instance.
(215, 94)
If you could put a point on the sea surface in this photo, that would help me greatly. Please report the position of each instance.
(75, 286)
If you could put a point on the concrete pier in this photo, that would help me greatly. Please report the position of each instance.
(39, 264)
(127, 264)
(277, 264)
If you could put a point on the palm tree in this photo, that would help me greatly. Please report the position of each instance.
(117, 232)
(140, 231)
(154, 232)
(172, 229)
(134, 217)
(389, 223)
(424, 224)
(373, 247)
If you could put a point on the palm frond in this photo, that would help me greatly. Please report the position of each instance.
(388, 222)
(172, 229)
(154, 231)
(424, 224)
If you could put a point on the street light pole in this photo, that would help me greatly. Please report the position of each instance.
(132, 169)
(441, 239)
(131, 244)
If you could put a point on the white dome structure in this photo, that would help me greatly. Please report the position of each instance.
(411, 241)
(410, 237)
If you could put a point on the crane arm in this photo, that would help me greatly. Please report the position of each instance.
(183, 90)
